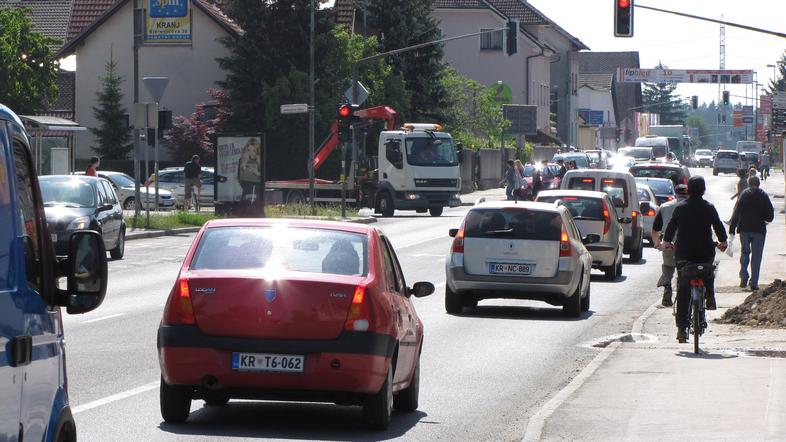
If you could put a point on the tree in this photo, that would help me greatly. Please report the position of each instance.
(697, 122)
(402, 23)
(471, 115)
(112, 134)
(660, 98)
(779, 82)
(192, 135)
(28, 77)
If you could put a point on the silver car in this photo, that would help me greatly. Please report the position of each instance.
(173, 179)
(648, 217)
(125, 189)
(593, 212)
(510, 250)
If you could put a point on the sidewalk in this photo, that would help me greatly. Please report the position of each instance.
(657, 389)
(469, 199)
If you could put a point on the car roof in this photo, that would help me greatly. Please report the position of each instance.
(7, 114)
(657, 166)
(179, 168)
(652, 178)
(89, 179)
(301, 223)
(547, 207)
(599, 172)
(571, 192)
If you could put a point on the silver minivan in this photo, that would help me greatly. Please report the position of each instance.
(726, 161)
(593, 212)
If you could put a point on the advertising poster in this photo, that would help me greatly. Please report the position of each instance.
(168, 22)
(239, 168)
(637, 75)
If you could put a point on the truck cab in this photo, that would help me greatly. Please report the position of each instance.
(33, 385)
(418, 169)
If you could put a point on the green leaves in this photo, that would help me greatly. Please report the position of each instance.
(660, 98)
(471, 114)
(112, 134)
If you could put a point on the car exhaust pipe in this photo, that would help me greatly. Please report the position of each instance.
(209, 382)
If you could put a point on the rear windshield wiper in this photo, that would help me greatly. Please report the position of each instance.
(590, 218)
(499, 232)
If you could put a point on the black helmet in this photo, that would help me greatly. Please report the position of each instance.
(696, 186)
(681, 190)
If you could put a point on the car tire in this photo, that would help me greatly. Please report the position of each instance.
(120, 249)
(129, 203)
(386, 205)
(175, 402)
(378, 407)
(435, 211)
(296, 197)
(453, 302)
(585, 301)
(572, 306)
(619, 268)
(469, 301)
(407, 399)
(610, 272)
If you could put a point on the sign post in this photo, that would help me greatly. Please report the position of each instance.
(156, 86)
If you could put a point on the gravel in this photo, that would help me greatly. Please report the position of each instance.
(765, 308)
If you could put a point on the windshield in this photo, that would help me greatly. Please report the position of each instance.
(659, 187)
(67, 192)
(424, 151)
(581, 160)
(638, 154)
(728, 155)
(704, 152)
(120, 179)
(580, 207)
(513, 224)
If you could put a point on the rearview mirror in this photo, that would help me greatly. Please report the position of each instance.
(87, 272)
(422, 289)
(625, 220)
(591, 238)
(453, 232)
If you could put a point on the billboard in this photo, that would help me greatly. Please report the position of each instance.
(168, 22)
(636, 75)
(239, 168)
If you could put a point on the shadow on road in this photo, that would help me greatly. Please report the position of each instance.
(631, 263)
(705, 355)
(601, 278)
(279, 420)
(520, 313)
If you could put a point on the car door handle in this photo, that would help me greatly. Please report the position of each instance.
(21, 351)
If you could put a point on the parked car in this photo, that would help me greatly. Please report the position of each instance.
(173, 179)
(621, 187)
(125, 189)
(726, 161)
(73, 203)
(703, 158)
(646, 195)
(593, 212)
(510, 250)
(548, 175)
(597, 159)
(678, 174)
(581, 159)
(640, 154)
(663, 188)
(291, 310)
(34, 401)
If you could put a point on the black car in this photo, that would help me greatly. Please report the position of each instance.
(678, 174)
(76, 203)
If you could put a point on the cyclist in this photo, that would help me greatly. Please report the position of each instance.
(693, 222)
(192, 171)
(662, 219)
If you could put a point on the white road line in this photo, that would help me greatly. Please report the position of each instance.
(102, 318)
(115, 397)
(538, 421)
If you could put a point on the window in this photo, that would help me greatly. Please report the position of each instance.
(617, 190)
(27, 216)
(643, 195)
(58, 191)
(513, 224)
(6, 219)
(390, 272)
(491, 40)
(580, 207)
(425, 151)
(103, 197)
(399, 275)
(581, 183)
(110, 194)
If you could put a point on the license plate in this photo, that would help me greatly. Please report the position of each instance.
(54, 237)
(510, 269)
(268, 362)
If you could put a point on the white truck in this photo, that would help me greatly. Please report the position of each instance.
(677, 136)
(749, 146)
(416, 168)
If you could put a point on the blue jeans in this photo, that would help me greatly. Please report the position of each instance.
(509, 192)
(752, 243)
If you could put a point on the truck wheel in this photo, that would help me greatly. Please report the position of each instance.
(435, 211)
(386, 205)
(296, 197)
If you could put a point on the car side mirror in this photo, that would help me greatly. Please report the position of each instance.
(453, 232)
(591, 238)
(104, 208)
(625, 220)
(422, 289)
(87, 272)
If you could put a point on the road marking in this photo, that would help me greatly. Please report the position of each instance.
(103, 318)
(418, 243)
(115, 397)
(538, 421)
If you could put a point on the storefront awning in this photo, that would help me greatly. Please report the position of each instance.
(43, 123)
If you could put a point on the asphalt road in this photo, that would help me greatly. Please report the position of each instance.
(483, 375)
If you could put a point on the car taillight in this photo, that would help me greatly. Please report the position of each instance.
(458, 241)
(684, 180)
(651, 212)
(606, 217)
(564, 243)
(634, 215)
(179, 310)
(669, 198)
(359, 317)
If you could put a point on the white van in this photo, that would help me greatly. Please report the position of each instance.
(621, 187)
(659, 145)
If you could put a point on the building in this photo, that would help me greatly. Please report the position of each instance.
(597, 112)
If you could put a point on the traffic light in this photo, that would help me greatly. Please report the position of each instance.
(694, 102)
(344, 119)
(512, 37)
(164, 120)
(623, 18)
(726, 98)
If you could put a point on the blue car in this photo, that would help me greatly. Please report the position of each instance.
(33, 396)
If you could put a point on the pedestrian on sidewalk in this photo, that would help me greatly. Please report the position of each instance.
(742, 182)
(764, 167)
(510, 180)
(750, 217)
(93, 166)
(193, 174)
(521, 189)
(662, 219)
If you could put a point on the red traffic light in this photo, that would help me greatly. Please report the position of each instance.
(344, 111)
(623, 3)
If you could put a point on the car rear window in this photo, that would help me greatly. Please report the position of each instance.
(581, 183)
(513, 223)
(579, 207)
(617, 189)
(284, 248)
(643, 195)
(638, 154)
(728, 155)
(674, 174)
(660, 187)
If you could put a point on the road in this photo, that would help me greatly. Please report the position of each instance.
(483, 373)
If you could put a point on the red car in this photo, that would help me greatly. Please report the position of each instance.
(291, 310)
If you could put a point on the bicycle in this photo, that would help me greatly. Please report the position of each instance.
(697, 274)
(193, 201)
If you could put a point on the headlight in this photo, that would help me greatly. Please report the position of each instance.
(79, 223)
(412, 196)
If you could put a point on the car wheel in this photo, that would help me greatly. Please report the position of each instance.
(572, 306)
(585, 301)
(296, 197)
(386, 205)
(129, 204)
(378, 407)
(619, 268)
(610, 272)
(714, 172)
(469, 301)
(175, 402)
(216, 399)
(120, 250)
(435, 211)
(407, 399)
(453, 302)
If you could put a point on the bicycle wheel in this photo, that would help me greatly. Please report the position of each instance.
(696, 299)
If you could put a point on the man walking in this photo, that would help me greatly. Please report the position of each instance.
(192, 172)
(511, 180)
(669, 265)
(750, 217)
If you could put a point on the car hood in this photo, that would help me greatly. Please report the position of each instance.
(60, 216)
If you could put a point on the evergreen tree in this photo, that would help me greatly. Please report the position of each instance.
(402, 23)
(660, 98)
(112, 135)
(779, 83)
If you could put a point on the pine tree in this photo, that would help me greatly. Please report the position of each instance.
(112, 135)
(660, 98)
(779, 83)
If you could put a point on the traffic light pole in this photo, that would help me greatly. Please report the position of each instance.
(712, 20)
(311, 110)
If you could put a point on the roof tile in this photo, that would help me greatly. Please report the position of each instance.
(50, 17)
(85, 12)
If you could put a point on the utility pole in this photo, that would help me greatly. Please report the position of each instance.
(311, 191)
(137, 43)
(722, 57)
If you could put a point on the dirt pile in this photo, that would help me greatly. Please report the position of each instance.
(764, 308)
